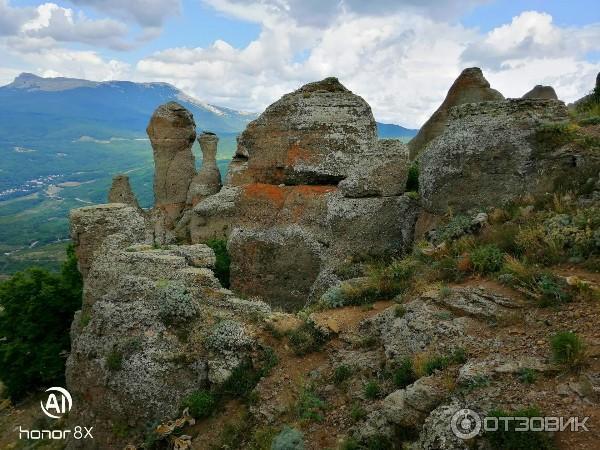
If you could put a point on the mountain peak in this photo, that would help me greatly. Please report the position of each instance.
(34, 82)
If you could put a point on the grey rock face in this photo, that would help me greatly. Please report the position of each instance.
(313, 135)
(121, 192)
(489, 154)
(172, 132)
(541, 92)
(381, 175)
(91, 225)
(207, 181)
(469, 87)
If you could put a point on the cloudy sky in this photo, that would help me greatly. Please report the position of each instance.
(400, 55)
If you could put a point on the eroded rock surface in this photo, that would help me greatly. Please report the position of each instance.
(492, 152)
(542, 93)
(121, 192)
(207, 181)
(469, 87)
(172, 132)
(313, 135)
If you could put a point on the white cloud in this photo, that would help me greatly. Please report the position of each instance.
(11, 19)
(531, 35)
(64, 25)
(148, 13)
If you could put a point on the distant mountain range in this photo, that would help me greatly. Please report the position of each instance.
(62, 140)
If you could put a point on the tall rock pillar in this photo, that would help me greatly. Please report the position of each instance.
(208, 180)
(172, 132)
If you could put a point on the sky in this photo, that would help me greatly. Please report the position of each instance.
(400, 55)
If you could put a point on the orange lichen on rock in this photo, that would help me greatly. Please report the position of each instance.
(267, 192)
(297, 154)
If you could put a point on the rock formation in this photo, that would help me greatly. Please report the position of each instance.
(121, 192)
(172, 132)
(541, 92)
(314, 135)
(469, 87)
(493, 152)
(208, 179)
(281, 208)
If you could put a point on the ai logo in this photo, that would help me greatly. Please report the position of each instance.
(58, 403)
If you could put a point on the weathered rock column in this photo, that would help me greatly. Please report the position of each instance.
(208, 180)
(121, 192)
(172, 132)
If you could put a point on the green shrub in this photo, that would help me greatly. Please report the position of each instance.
(458, 226)
(552, 291)
(245, 377)
(341, 374)
(201, 403)
(412, 179)
(568, 349)
(440, 362)
(404, 374)
(310, 406)
(507, 438)
(36, 311)
(114, 360)
(288, 439)
(527, 376)
(446, 269)
(372, 390)
(223, 263)
(399, 311)
(487, 259)
(306, 339)
(357, 412)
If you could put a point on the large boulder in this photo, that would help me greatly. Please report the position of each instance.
(542, 93)
(172, 132)
(493, 152)
(469, 87)
(313, 135)
(91, 225)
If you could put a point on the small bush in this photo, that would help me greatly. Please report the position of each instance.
(458, 226)
(412, 179)
(223, 263)
(357, 412)
(507, 438)
(399, 311)
(201, 403)
(527, 376)
(306, 339)
(487, 259)
(372, 390)
(568, 349)
(288, 439)
(310, 406)
(428, 364)
(404, 374)
(114, 360)
(341, 374)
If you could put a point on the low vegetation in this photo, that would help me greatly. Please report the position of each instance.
(223, 262)
(507, 438)
(568, 349)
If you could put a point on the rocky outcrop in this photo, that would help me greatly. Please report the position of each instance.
(493, 152)
(121, 192)
(287, 220)
(542, 93)
(207, 181)
(469, 87)
(172, 132)
(313, 135)
(155, 326)
(91, 225)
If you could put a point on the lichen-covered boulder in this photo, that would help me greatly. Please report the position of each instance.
(469, 87)
(542, 93)
(91, 225)
(172, 132)
(380, 175)
(313, 135)
(493, 152)
(121, 192)
(152, 330)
